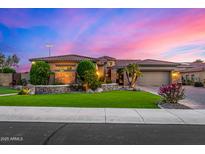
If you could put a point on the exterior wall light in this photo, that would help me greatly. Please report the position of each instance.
(97, 73)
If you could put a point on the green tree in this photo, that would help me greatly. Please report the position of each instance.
(15, 60)
(39, 73)
(83, 66)
(198, 61)
(132, 72)
(12, 61)
(87, 73)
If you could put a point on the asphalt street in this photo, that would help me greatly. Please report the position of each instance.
(99, 134)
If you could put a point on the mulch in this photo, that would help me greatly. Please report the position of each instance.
(173, 106)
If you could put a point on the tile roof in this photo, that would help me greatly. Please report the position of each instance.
(193, 67)
(71, 57)
(157, 62)
(106, 58)
(119, 62)
(146, 62)
(123, 62)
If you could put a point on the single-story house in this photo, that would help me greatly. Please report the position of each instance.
(155, 72)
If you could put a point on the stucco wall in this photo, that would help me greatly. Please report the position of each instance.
(25, 76)
(5, 79)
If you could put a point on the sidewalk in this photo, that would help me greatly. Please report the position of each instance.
(102, 115)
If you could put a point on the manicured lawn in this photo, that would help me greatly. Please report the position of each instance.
(114, 99)
(6, 90)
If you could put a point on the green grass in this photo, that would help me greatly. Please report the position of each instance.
(114, 99)
(7, 90)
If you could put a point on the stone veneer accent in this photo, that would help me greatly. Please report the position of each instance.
(49, 89)
(60, 89)
(110, 87)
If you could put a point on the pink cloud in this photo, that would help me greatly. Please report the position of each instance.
(162, 36)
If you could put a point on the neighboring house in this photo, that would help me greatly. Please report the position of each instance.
(193, 72)
(155, 72)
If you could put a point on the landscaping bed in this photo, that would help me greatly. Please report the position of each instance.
(112, 99)
(173, 106)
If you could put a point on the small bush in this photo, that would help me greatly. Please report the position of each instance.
(91, 79)
(189, 82)
(8, 70)
(108, 81)
(22, 82)
(171, 93)
(24, 91)
(198, 84)
(76, 87)
(95, 84)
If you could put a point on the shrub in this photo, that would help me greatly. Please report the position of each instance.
(95, 84)
(171, 93)
(76, 87)
(8, 70)
(83, 66)
(22, 82)
(189, 82)
(24, 91)
(198, 84)
(40, 72)
(91, 78)
(108, 81)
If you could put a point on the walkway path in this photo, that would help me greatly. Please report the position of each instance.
(1, 95)
(102, 115)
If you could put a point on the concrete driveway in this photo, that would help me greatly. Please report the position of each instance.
(195, 96)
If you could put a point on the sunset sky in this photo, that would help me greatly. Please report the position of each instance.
(165, 34)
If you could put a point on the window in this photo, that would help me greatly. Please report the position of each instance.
(110, 63)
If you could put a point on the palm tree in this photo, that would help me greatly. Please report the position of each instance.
(132, 72)
(2, 60)
(15, 60)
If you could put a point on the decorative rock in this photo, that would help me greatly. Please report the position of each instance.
(99, 90)
(90, 91)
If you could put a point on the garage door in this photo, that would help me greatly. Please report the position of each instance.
(154, 78)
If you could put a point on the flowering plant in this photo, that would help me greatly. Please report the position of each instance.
(171, 93)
